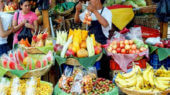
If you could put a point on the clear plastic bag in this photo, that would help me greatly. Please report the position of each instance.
(15, 87)
(77, 87)
(31, 86)
(134, 34)
(4, 85)
(92, 72)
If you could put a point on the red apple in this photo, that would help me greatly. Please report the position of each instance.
(118, 44)
(130, 42)
(133, 47)
(114, 46)
(97, 50)
(123, 51)
(118, 50)
(126, 42)
(114, 51)
(127, 47)
(114, 42)
(122, 46)
(137, 51)
(121, 42)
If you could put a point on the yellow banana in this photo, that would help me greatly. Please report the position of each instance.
(146, 75)
(151, 75)
(163, 78)
(160, 86)
(140, 83)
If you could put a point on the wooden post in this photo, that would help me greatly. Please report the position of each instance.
(164, 29)
(46, 23)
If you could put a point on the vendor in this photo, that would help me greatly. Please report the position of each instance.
(101, 19)
(4, 48)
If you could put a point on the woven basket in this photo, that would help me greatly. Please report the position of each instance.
(148, 9)
(134, 92)
(36, 73)
(74, 62)
(149, 2)
(65, 13)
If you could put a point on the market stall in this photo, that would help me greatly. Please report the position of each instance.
(65, 57)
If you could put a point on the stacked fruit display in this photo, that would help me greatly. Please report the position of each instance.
(40, 40)
(145, 81)
(18, 86)
(20, 60)
(11, 7)
(127, 47)
(77, 44)
(164, 44)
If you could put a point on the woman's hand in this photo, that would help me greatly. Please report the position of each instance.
(91, 8)
(27, 25)
(78, 6)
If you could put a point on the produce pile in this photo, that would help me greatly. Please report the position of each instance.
(163, 44)
(20, 60)
(127, 47)
(18, 86)
(11, 7)
(39, 40)
(84, 83)
(134, 3)
(77, 43)
(147, 80)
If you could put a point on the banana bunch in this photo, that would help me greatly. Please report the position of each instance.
(147, 80)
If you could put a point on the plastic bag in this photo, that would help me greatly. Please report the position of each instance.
(31, 87)
(77, 87)
(153, 41)
(4, 85)
(92, 72)
(15, 87)
(25, 33)
(6, 20)
(134, 34)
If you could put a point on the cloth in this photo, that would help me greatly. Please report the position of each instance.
(4, 48)
(6, 23)
(163, 10)
(31, 17)
(122, 15)
(96, 28)
(106, 14)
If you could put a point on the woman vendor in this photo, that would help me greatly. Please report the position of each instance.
(101, 19)
(100, 25)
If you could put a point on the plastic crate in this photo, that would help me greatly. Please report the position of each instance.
(115, 66)
(156, 64)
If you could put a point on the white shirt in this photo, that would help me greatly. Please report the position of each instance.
(6, 22)
(106, 14)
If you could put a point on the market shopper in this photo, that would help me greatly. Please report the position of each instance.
(101, 19)
(24, 17)
(100, 25)
(4, 48)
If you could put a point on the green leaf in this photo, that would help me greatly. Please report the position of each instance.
(152, 49)
(18, 73)
(60, 60)
(163, 53)
(2, 71)
(45, 49)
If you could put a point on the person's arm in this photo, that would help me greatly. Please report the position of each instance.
(78, 8)
(18, 26)
(100, 18)
(3, 33)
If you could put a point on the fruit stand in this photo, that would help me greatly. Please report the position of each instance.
(62, 56)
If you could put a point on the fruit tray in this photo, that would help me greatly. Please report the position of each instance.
(37, 72)
(135, 92)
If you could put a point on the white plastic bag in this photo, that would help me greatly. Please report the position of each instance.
(153, 41)
(134, 34)
(4, 84)
(15, 86)
(31, 87)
